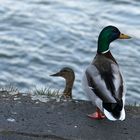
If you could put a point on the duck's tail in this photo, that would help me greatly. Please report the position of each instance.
(114, 111)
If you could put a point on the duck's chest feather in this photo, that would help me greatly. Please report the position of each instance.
(104, 76)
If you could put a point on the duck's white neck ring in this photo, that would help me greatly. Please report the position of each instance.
(105, 51)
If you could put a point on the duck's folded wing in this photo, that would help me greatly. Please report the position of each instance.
(109, 87)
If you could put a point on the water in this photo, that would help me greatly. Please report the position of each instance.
(39, 37)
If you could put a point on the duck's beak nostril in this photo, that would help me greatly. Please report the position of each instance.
(123, 36)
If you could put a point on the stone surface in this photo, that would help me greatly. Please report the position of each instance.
(24, 119)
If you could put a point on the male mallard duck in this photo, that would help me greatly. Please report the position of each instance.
(69, 76)
(103, 81)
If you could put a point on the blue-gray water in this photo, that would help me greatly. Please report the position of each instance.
(39, 37)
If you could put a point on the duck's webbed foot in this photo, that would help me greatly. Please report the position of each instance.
(97, 115)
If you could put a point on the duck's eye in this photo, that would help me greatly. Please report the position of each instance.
(64, 70)
(115, 31)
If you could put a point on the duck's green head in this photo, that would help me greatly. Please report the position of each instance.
(107, 35)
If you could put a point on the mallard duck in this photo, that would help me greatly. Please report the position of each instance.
(68, 74)
(103, 81)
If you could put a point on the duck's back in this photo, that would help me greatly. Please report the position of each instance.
(104, 78)
(109, 73)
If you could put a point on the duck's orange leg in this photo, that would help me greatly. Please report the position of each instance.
(97, 115)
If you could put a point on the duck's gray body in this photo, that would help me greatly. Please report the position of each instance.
(104, 85)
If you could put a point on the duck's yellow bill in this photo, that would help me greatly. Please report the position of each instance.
(123, 36)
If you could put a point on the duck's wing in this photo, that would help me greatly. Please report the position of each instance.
(106, 82)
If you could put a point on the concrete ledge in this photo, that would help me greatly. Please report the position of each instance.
(24, 119)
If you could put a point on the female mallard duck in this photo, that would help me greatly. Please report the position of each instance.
(69, 76)
(103, 81)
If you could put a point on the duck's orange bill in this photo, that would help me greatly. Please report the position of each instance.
(123, 36)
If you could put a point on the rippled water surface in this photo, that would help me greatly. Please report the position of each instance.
(39, 37)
